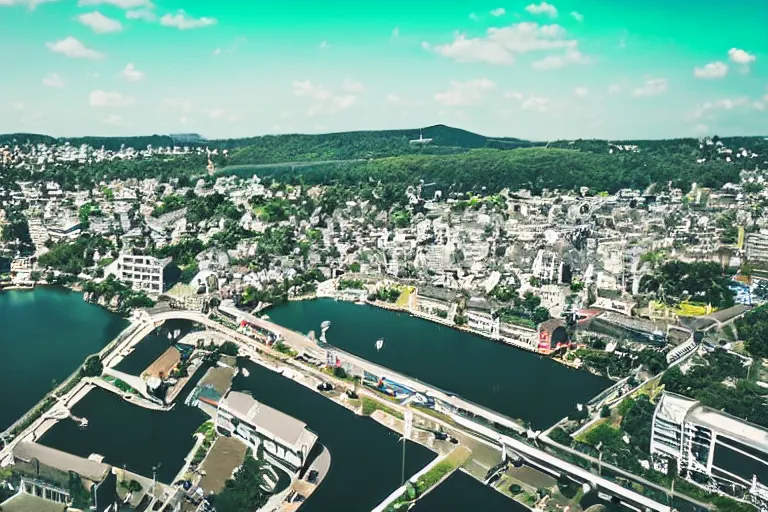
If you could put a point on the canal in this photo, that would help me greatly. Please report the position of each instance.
(462, 492)
(365, 456)
(46, 334)
(514, 382)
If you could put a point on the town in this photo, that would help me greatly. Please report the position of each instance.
(657, 290)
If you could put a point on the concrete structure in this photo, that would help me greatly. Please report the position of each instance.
(282, 437)
(56, 469)
(712, 449)
(143, 272)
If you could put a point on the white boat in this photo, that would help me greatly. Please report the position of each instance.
(170, 336)
(379, 344)
(246, 373)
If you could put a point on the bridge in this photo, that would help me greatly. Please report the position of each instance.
(533, 455)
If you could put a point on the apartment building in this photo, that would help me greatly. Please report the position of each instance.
(143, 272)
(712, 449)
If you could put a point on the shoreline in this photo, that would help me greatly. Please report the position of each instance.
(398, 309)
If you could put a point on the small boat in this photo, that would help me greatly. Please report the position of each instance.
(176, 333)
(170, 336)
(379, 344)
(326, 324)
(246, 373)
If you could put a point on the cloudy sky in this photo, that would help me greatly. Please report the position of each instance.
(566, 69)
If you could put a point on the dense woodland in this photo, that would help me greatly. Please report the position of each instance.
(456, 160)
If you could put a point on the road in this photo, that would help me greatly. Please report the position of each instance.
(302, 343)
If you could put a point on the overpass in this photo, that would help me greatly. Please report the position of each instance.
(533, 455)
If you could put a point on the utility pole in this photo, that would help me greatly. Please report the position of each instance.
(406, 435)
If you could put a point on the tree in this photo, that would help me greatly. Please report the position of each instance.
(354, 267)
(92, 367)
(229, 348)
(605, 411)
(244, 491)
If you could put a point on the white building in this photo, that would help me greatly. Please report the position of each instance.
(143, 272)
(284, 439)
(712, 449)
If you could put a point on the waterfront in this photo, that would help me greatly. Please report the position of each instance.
(462, 492)
(152, 346)
(45, 334)
(519, 384)
(365, 456)
(130, 436)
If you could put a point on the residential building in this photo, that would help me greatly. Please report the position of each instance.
(713, 449)
(284, 439)
(143, 272)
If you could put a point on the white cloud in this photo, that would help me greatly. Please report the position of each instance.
(183, 120)
(18, 106)
(571, 56)
(758, 105)
(74, 49)
(323, 45)
(498, 12)
(99, 23)
(352, 87)
(141, 14)
(500, 45)
(122, 4)
(103, 99)
(538, 104)
(473, 16)
(652, 87)
(116, 120)
(308, 89)
(132, 74)
(396, 32)
(577, 16)
(542, 8)
(53, 80)
(333, 105)
(727, 104)
(216, 113)
(31, 4)
(394, 99)
(182, 21)
(614, 89)
(465, 94)
(514, 95)
(741, 57)
(327, 103)
(701, 129)
(711, 71)
(581, 92)
(178, 104)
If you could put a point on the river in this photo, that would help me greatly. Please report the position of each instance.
(45, 334)
(514, 382)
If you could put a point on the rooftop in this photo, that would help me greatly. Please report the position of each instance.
(24, 502)
(279, 425)
(63, 461)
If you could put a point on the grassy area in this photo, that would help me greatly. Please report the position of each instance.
(438, 472)
(405, 295)
(370, 405)
(119, 384)
(686, 308)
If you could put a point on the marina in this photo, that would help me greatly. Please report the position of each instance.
(513, 382)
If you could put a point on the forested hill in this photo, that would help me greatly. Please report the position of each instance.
(302, 147)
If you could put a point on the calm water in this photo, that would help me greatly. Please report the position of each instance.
(45, 335)
(130, 436)
(460, 493)
(365, 456)
(152, 346)
(513, 382)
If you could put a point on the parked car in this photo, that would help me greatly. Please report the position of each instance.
(325, 386)
(312, 476)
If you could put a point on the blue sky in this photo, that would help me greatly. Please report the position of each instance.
(537, 70)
